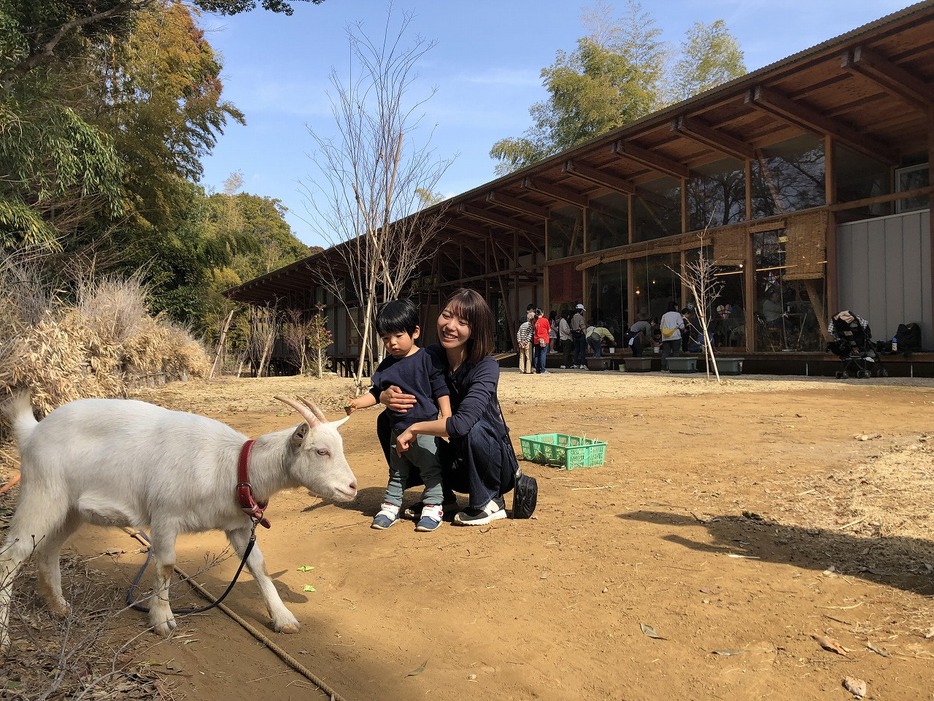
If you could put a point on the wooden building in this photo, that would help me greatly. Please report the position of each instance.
(810, 179)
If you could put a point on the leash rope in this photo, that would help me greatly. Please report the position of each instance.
(243, 623)
(131, 599)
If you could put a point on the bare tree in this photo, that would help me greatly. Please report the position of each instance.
(319, 338)
(263, 331)
(699, 277)
(369, 203)
(295, 332)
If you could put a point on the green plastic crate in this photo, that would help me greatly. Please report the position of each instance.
(565, 451)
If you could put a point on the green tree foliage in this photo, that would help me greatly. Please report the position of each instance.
(106, 110)
(162, 92)
(617, 74)
(710, 56)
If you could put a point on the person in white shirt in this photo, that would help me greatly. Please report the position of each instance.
(671, 325)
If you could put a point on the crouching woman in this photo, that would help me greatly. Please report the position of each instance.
(479, 459)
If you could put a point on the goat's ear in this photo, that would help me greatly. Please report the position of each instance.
(298, 436)
(341, 422)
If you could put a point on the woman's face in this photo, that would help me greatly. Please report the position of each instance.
(453, 329)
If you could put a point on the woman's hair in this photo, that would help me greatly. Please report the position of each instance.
(470, 306)
(672, 306)
(397, 316)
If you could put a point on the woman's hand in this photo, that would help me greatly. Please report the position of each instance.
(404, 440)
(396, 400)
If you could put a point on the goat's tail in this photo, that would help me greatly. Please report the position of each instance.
(18, 411)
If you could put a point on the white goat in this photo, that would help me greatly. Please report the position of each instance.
(127, 463)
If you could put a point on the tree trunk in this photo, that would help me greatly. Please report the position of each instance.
(221, 343)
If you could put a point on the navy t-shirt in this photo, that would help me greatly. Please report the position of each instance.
(420, 374)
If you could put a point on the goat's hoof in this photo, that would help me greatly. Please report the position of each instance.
(59, 608)
(287, 627)
(165, 628)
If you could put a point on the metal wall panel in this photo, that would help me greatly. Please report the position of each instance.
(884, 272)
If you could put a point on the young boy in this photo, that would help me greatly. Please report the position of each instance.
(415, 372)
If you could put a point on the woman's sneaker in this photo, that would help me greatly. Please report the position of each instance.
(388, 515)
(430, 518)
(493, 511)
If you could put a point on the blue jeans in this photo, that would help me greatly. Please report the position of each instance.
(540, 358)
(596, 346)
(422, 455)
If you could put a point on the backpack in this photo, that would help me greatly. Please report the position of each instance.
(908, 337)
(524, 496)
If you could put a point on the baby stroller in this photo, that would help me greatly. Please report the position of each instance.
(853, 343)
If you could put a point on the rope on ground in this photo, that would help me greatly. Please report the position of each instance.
(9, 485)
(255, 632)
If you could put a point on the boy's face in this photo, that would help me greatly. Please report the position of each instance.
(399, 344)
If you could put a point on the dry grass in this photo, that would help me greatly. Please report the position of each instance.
(101, 346)
(88, 655)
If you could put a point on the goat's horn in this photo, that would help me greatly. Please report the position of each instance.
(303, 411)
(314, 409)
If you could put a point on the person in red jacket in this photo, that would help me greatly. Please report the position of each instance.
(541, 341)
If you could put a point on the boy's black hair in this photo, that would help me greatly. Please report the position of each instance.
(397, 316)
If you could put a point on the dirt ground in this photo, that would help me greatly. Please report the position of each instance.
(767, 538)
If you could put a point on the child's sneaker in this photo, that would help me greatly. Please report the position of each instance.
(388, 515)
(430, 519)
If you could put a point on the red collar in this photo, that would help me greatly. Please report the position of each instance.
(245, 489)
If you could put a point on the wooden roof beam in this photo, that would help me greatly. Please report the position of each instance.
(572, 167)
(558, 193)
(468, 227)
(804, 117)
(695, 129)
(650, 159)
(498, 219)
(889, 76)
(518, 205)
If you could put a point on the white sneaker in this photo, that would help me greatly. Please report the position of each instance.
(564, 367)
(480, 517)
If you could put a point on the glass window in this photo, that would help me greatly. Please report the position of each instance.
(912, 178)
(607, 301)
(858, 177)
(728, 326)
(655, 285)
(788, 310)
(565, 233)
(717, 195)
(657, 209)
(608, 222)
(788, 177)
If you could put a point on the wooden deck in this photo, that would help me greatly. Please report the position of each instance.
(782, 363)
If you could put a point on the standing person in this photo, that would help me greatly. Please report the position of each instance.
(524, 337)
(553, 332)
(578, 327)
(598, 334)
(671, 324)
(641, 334)
(542, 328)
(481, 461)
(420, 374)
(565, 339)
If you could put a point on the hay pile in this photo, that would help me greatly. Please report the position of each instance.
(100, 345)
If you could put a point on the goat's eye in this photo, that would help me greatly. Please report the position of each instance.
(322, 452)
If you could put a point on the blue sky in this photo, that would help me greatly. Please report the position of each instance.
(486, 68)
